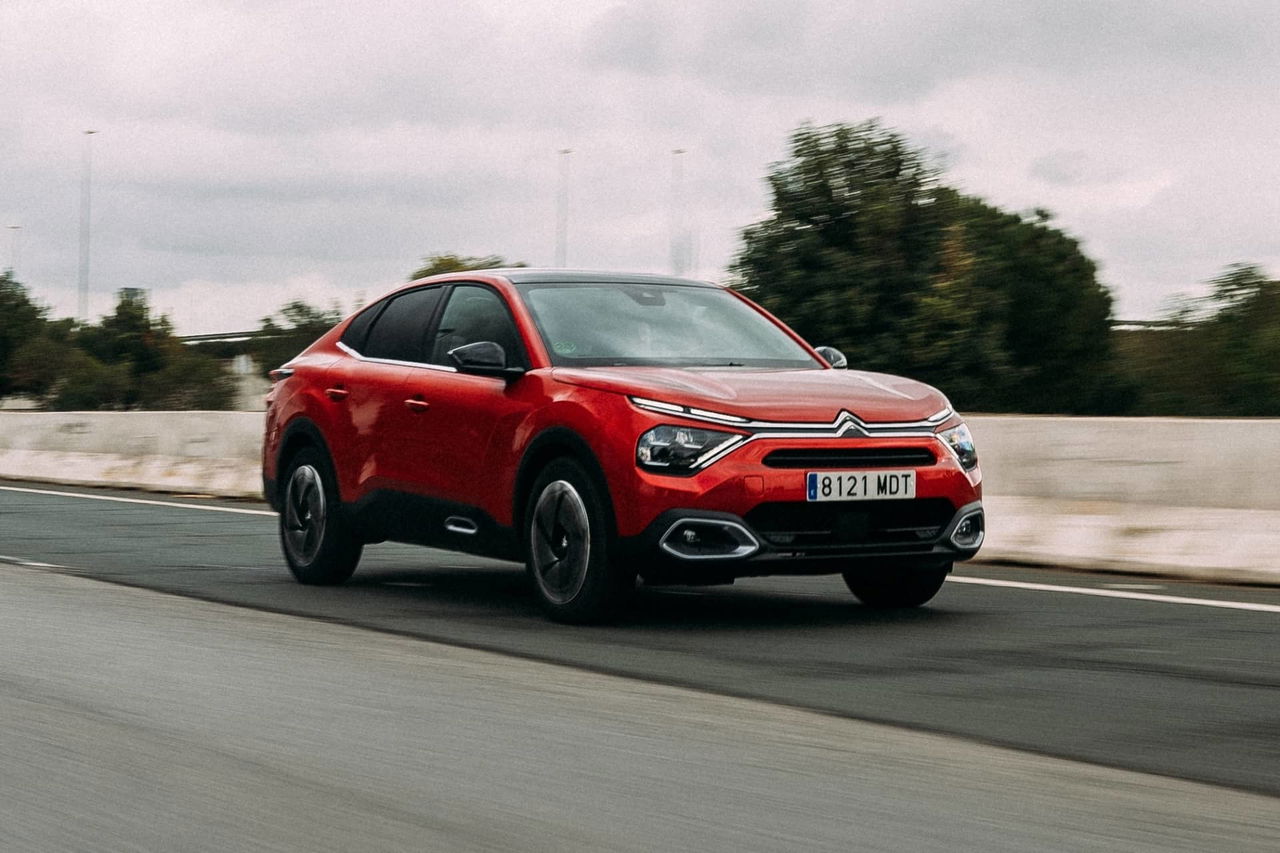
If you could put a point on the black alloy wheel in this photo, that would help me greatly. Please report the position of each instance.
(318, 544)
(567, 547)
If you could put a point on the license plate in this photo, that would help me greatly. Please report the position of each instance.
(860, 485)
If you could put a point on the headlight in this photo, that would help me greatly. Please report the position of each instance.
(960, 441)
(678, 450)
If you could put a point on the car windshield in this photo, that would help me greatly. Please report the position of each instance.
(657, 325)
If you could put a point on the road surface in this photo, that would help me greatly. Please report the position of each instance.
(746, 719)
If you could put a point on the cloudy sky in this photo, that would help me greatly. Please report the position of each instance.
(253, 151)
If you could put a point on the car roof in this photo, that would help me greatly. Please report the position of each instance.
(524, 275)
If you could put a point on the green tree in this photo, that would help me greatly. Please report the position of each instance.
(955, 341)
(88, 384)
(1214, 356)
(1054, 315)
(189, 380)
(41, 362)
(132, 338)
(443, 263)
(289, 331)
(21, 320)
(868, 251)
(852, 242)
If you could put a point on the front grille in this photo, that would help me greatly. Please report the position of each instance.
(822, 526)
(851, 457)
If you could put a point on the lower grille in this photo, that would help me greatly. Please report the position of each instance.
(851, 457)
(817, 526)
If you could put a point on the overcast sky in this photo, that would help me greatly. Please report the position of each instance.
(253, 151)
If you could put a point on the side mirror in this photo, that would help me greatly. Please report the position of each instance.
(833, 357)
(483, 358)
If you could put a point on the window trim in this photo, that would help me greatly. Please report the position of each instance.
(433, 326)
(428, 331)
(524, 361)
(394, 362)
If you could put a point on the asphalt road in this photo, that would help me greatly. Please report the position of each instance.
(1179, 689)
(135, 720)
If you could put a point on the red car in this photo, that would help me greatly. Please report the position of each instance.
(602, 427)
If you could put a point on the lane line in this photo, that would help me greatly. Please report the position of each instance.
(30, 564)
(1115, 593)
(136, 501)
(1036, 587)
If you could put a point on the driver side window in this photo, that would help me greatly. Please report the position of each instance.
(475, 314)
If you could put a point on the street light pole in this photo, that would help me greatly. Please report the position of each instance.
(562, 210)
(679, 240)
(13, 252)
(85, 185)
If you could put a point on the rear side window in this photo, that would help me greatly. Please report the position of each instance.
(358, 330)
(400, 331)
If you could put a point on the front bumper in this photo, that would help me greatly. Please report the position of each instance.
(703, 546)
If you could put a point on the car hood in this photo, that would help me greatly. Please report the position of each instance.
(813, 396)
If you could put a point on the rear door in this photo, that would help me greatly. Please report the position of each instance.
(365, 389)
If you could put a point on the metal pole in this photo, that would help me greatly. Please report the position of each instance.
(679, 249)
(562, 210)
(85, 184)
(13, 253)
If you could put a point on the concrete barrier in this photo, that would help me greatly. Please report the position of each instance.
(1172, 497)
(215, 453)
(1191, 498)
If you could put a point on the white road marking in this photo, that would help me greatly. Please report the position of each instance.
(1115, 593)
(136, 501)
(1038, 587)
(30, 564)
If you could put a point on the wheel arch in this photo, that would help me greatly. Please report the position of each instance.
(301, 433)
(550, 444)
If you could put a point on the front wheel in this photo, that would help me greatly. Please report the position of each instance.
(907, 587)
(567, 545)
(318, 544)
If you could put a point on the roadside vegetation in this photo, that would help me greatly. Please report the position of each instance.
(866, 249)
(128, 360)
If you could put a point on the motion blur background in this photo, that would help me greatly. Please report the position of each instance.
(1041, 207)
(983, 189)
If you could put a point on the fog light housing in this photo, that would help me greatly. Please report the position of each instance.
(708, 539)
(970, 531)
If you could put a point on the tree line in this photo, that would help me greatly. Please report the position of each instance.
(866, 248)
(128, 360)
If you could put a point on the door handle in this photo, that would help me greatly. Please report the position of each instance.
(416, 404)
(337, 393)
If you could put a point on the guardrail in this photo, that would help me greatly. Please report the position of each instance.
(1174, 497)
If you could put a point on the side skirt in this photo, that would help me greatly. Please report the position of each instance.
(387, 515)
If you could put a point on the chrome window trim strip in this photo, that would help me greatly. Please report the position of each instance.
(444, 368)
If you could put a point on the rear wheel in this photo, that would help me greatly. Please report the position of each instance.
(907, 587)
(567, 546)
(318, 544)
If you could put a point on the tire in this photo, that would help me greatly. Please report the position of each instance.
(317, 540)
(897, 589)
(567, 544)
